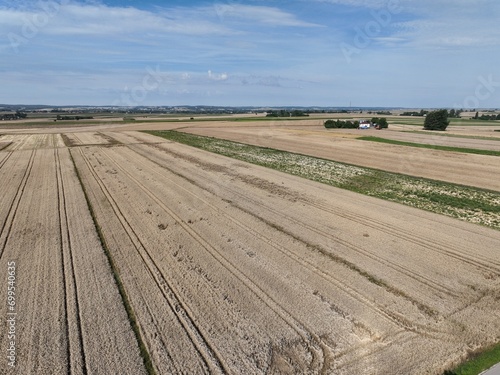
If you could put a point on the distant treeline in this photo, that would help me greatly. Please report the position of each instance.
(486, 117)
(13, 116)
(453, 113)
(283, 113)
(380, 113)
(59, 117)
(414, 113)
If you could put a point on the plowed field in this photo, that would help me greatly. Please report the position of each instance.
(225, 267)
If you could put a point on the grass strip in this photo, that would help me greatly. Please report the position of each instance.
(465, 203)
(478, 362)
(433, 147)
(146, 358)
(444, 134)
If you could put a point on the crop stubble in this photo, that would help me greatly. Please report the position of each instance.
(233, 268)
(68, 308)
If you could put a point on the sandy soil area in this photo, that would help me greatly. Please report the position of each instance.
(230, 268)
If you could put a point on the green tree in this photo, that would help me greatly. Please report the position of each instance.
(437, 120)
(383, 123)
(339, 124)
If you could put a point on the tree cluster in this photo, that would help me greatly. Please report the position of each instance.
(283, 113)
(454, 113)
(414, 113)
(380, 121)
(437, 120)
(487, 117)
(380, 113)
(13, 116)
(59, 117)
(339, 124)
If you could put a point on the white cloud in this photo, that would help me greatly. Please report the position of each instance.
(217, 77)
(101, 20)
(358, 3)
(259, 14)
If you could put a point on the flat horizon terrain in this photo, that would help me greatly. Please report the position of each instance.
(130, 247)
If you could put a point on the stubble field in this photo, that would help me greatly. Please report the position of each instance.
(135, 254)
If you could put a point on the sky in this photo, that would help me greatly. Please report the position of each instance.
(330, 53)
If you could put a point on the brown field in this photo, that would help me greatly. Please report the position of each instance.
(231, 268)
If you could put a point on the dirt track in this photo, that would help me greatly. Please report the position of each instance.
(232, 268)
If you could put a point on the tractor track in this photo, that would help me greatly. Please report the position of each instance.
(436, 246)
(76, 349)
(303, 224)
(299, 327)
(211, 358)
(401, 322)
(9, 219)
(398, 320)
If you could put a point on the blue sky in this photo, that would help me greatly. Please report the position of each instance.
(405, 53)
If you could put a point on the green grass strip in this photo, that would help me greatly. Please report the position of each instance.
(478, 362)
(433, 147)
(444, 134)
(469, 204)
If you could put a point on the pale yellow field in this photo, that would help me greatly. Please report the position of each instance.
(228, 267)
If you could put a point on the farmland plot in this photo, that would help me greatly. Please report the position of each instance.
(458, 168)
(68, 309)
(228, 268)
(254, 271)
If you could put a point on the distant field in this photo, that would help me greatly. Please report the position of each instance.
(433, 147)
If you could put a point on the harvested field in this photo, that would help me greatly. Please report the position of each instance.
(229, 267)
(455, 167)
(68, 308)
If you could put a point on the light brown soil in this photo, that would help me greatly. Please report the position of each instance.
(234, 268)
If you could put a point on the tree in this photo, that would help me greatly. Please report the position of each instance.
(380, 121)
(383, 123)
(437, 120)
